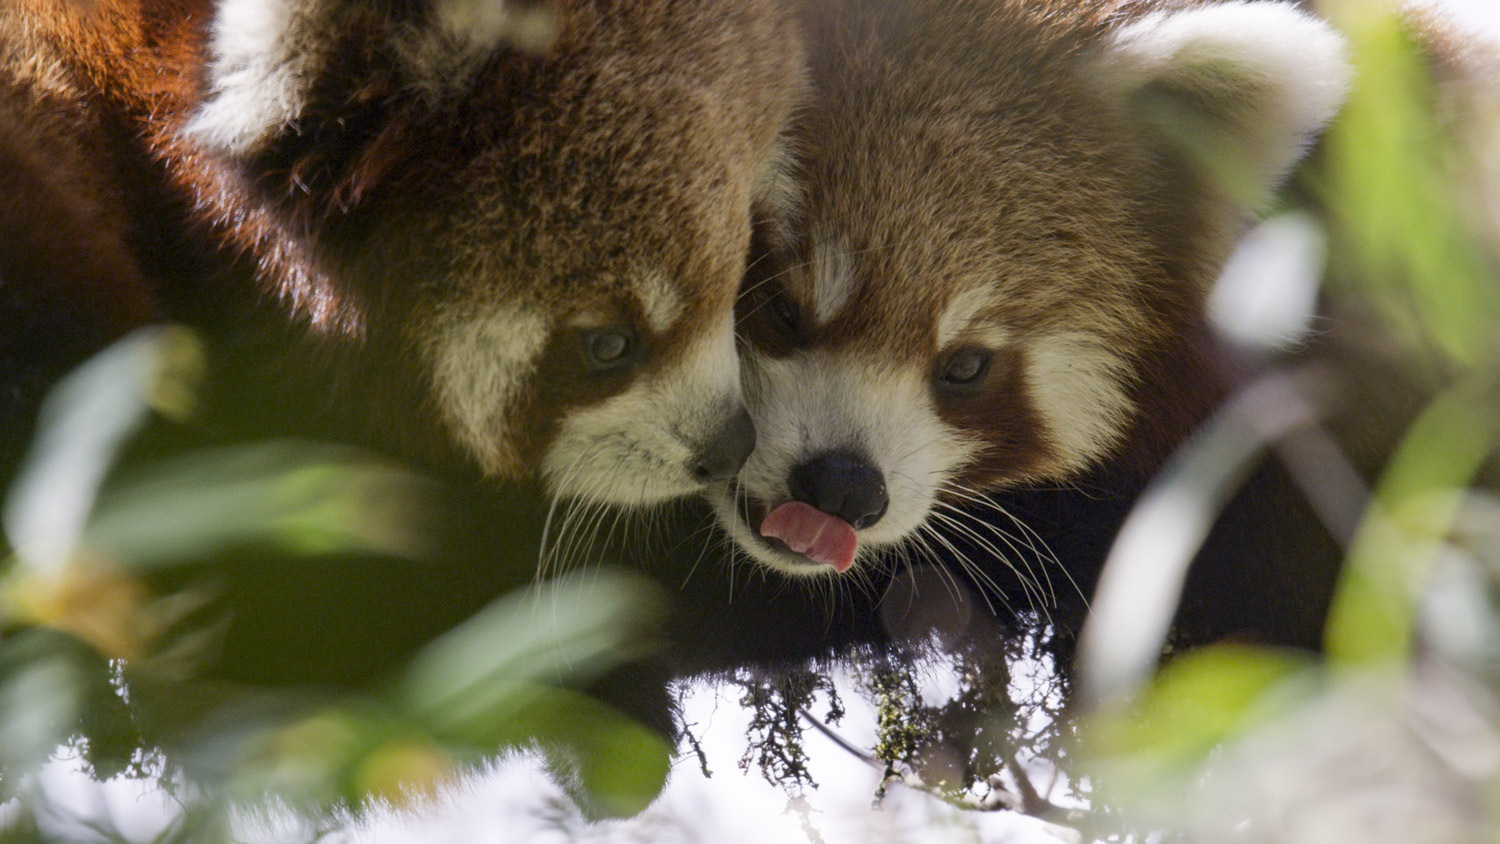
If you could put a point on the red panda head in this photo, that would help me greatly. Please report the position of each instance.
(1005, 218)
(539, 214)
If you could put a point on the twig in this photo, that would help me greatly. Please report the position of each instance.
(1032, 802)
(839, 740)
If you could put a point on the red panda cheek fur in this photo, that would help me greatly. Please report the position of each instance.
(1009, 436)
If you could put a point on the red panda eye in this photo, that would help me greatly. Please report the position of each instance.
(783, 313)
(965, 368)
(608, 348)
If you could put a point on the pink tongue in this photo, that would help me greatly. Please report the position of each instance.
(812, 533)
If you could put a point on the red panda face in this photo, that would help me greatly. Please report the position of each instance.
(593, 345)
(552, 232)
(623, 402)
(988, 245)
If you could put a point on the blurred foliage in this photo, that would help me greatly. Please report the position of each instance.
(1238, 743)
(1410, 519)
(91, 656)
(1396, 188)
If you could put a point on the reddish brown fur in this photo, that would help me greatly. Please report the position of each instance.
(69, 282)
(66, 236)
(1047, 188)
(628, 142)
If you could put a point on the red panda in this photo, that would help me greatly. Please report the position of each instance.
(478, 234)
(992, 269)
(69, 282)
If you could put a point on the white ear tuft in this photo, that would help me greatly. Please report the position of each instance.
(1248, 81)
(461, 35)
(488, 24)
(265, 55)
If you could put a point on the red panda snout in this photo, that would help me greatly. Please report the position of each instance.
(722, 456)
(841, 484)
(674, 427)
(855, 438)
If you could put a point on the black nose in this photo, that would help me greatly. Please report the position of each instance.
(726, 451)
(841, 484)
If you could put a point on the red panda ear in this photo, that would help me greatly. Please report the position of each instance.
(265, 56)
(269, 59)
(455, 37)
(1239, 87)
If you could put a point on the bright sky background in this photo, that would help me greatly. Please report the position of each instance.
(730, 808)
(510, 806)
(1481, 14)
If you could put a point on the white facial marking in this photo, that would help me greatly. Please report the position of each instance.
(1291, 67)
(833, 278)
(266, 56)
(660, 299)
(962, 320)
(480, 362)
(818, 402)
(1079, 388)
(638, 447)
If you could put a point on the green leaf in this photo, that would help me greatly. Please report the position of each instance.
(80, 430)
(1416, 502)
(466, 684)
(613, 766)
(46, 678)
(1393, 193)
(1197, 702)
(303, 497)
